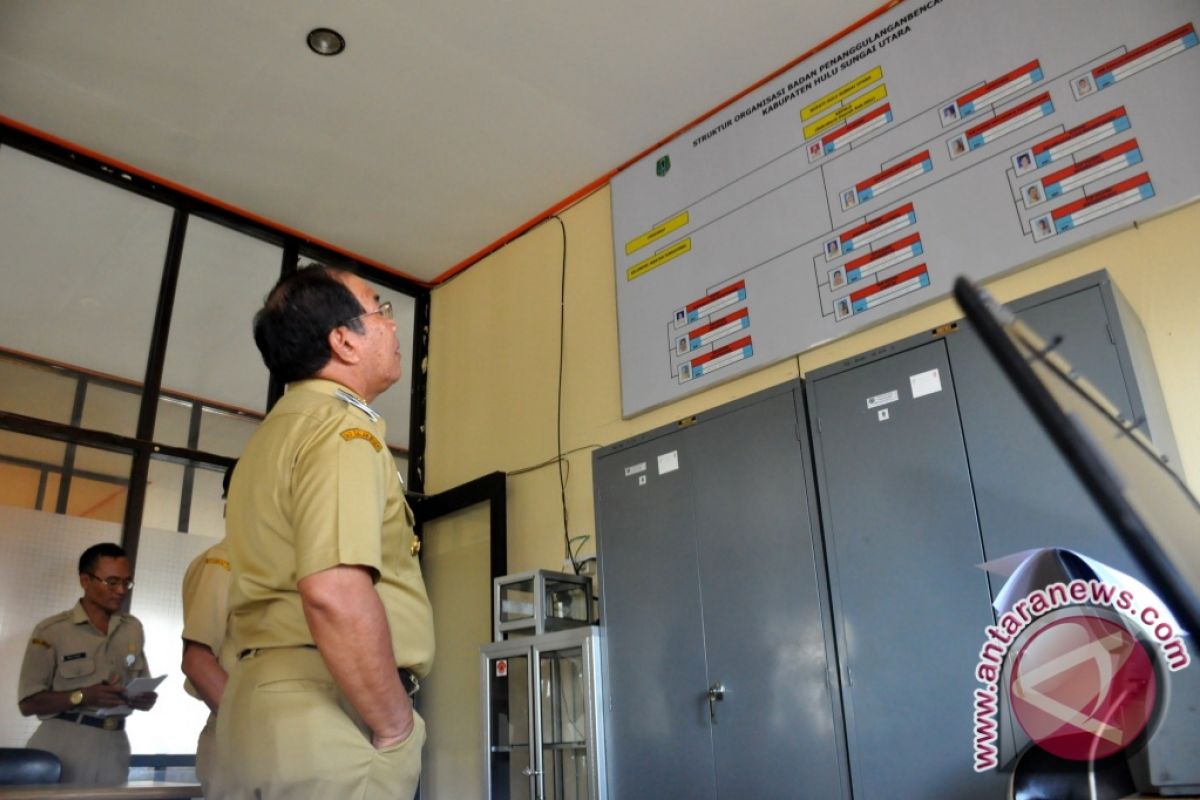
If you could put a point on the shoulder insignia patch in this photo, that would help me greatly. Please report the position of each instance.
(40, 642)
(358, 433)
(218, 562)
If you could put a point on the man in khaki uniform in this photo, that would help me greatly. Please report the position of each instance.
(77, 663)
(328, 610)
(207, 652)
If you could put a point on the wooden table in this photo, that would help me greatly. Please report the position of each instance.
(134, 790)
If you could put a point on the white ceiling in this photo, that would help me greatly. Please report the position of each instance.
(443, 126)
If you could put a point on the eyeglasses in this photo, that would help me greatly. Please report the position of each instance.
(384, 310)
(113, 582)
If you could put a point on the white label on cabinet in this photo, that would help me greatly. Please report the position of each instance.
(668, 462)
(883, 399)
(635, 469)
(924, 383)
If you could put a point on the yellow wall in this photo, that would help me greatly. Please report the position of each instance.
(494, 344)
(494, 354)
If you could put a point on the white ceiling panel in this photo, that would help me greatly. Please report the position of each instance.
(441, 128)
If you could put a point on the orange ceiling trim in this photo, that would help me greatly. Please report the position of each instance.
(608, 176)
(141, 173)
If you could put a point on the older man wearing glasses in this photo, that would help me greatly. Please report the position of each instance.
(76, 666)
(328, 610)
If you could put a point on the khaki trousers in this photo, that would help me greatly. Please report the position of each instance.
(286, 731)
(206, 754)
(91, 756)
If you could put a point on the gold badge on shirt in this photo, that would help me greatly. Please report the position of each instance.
(358, 433)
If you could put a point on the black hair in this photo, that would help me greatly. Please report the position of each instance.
(292, 328)
(91, 557)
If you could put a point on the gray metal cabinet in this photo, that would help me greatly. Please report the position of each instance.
(917, 488)
(542, 727)
(1027, 495)
(1022, 507)
(902, 538)
(712, 579)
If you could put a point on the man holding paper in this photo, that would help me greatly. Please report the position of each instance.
(76, 669)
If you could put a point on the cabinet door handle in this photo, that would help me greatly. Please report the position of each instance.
(716, 693)
(529, 772)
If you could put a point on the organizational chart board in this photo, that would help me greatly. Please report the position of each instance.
(944, 137)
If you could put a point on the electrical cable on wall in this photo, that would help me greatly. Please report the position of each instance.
(552, 460)
(562, 335)
(564, 466)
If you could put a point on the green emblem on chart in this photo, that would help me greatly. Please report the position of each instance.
(663, 166)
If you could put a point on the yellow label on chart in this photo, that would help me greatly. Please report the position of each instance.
(657, 232)
(838, 95)
(850, 109)
(658, 259)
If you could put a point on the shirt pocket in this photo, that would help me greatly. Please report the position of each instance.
(77, 667)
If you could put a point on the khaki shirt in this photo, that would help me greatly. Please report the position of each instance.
(206, 606)
(66, 652)
(315, 488)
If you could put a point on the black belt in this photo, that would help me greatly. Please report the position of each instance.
(106, 723)
(408, 680)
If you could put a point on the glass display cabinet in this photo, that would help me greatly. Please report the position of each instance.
(541, 601)
(542, 730)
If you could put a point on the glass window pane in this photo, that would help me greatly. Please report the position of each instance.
(111, 408)
(18, 446)
(163, 556)
(225, 433)
(21, 486)
(223, 278)
(35, 391)
(396, 403)
(102, 462)
(207, 511)
(97, 499)
(82, 262)
(164, 489)
(222, 432)
(172, 421)
(165, 493)
(71, 479)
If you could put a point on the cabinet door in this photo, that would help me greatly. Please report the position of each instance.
(510, 758)
(764, 615)
(710, 576)
(657, 731)
(910, 606)
(1029, 497)
(563, 724)
(1026, 493)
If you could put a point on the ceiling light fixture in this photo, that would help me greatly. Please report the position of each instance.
(326, 41)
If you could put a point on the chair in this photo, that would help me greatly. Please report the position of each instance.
(21, 766)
